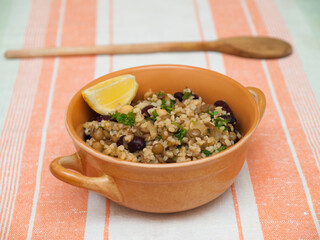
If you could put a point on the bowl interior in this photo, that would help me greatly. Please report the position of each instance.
(210, 85)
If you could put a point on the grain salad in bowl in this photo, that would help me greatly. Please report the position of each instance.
(164, 128)
(170, 123)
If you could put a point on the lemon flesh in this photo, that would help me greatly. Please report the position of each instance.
(110, 95)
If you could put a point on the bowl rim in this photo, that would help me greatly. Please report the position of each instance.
(81, 144)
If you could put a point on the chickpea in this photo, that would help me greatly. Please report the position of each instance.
(148, 94)
(161, 112)
(206, 107)
(157, 148)
(180, 104)
(164, 134)
(114, 138)
(98, 134)
(97, 146)
(233, 136)
(194, 133)
(125, 109)
(106, 133)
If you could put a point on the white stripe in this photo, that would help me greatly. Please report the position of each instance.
(293, 151)
(46, 122)
(96, 211)
(17, 21)
(217, 218)
(301, 94)
(209, 32)
(128, 29)
(96, 215)
(286, 131)
(251, 227)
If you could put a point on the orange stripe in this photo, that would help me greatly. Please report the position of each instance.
(107, 220)
(23, 204)
(280, 197)
(20, 218)
(63, 206)
(196, 8)
(111, 12)
(236, 208)
(300, 142)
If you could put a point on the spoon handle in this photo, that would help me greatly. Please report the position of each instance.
(110, 49)
(228, 45)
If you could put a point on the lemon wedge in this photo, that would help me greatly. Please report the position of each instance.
(108, 96)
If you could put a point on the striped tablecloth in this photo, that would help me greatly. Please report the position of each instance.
(277, 194)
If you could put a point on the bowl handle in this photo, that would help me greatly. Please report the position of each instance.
(260, 98)
(104, 184)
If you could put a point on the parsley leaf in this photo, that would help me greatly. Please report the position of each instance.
(186, 95)
(212, 114)
(160, 94)
(154, 115)
(180, 134)
(206, 152)
(220, 122)
(221, 148)
(176, 124)
(165, 107)
(126, 119)
(172, 102)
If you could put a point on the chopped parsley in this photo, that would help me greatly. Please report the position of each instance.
(154, 115)
(165, 107)
(212, 114)
(100, 127)
(180, 134)
(126, 119)
(186, 95)
(206, 152)
(158, 137)
(176, 124)
(208, 130)
(220, 122)
(160, 94)
(221, 149)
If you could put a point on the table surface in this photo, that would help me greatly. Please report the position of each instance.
(276, 195)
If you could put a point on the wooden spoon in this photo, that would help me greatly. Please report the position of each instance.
(250, 47)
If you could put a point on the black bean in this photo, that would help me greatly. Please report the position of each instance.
(86, 137)
(136, 144)
(120, 140)
(231, 119)
(195, 96)
(144, 111)
(224, 105)
(104, 117)
(179, 96)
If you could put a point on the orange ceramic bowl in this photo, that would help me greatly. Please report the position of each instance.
(163, 188)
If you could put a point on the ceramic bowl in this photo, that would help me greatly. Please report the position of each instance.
(171, 187)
